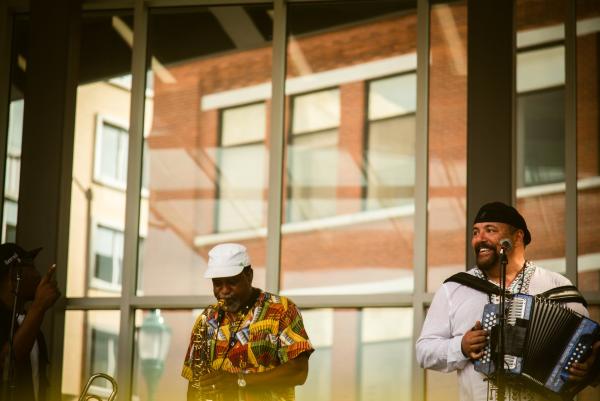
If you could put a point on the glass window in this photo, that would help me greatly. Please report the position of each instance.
(540, 128)
(588, 154)
(312, 152)
(540, 68)
(391, 97)
(111, 155)
(447, 142)
(316, 111)
(9, 232)
(13, 170)
(103, 355)
(15, 127)
(351, 347)
(391, 142)
(12, 173)
(386, 340)
(349, 206)
(90, 346)
(541, 132)
(100, 151)
(540, 116)
(243, 169)
(206, 120)
(108, 258)
(244, 124)
(156, 381)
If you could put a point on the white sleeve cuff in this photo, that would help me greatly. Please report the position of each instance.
(455, 354)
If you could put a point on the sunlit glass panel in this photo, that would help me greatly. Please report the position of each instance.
(350, 155)
(447, 141)
(206, 141)
(540, 126)
(90, 347)
(101, 147)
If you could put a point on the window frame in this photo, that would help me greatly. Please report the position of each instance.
(98, 176)
(519, 163)
(217, 220)
(520, 179)
(290, 139)
(114, 338)
(95, 282)
(367, 131)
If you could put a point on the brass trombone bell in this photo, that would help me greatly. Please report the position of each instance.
(89, 397)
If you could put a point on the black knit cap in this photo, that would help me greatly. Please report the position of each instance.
(13, 255)
(499, 212)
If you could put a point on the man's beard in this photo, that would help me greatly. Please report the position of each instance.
(232, 304)
(488, 261)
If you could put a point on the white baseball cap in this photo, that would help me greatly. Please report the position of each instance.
(227, 260)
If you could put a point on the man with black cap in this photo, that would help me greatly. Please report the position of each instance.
(452, 336)
(21, 287)
(258, 348)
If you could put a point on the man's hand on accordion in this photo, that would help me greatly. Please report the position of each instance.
(474, 341)
(579, 371)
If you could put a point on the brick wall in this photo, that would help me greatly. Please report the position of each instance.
(179, 122)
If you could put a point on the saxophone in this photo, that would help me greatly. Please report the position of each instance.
(202, 361)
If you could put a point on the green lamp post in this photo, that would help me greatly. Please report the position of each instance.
(153, 345)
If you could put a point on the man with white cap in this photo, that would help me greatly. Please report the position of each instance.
(259, 349)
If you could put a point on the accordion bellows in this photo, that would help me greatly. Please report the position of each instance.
(542, 339)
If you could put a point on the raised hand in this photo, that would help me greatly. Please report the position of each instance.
(47, 291)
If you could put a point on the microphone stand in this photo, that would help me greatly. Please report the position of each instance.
(9, 376)
(501, 323)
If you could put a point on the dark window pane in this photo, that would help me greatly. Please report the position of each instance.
(104, 268)
(11, 233)
(541, 128)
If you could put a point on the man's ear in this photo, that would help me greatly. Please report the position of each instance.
(519, 237)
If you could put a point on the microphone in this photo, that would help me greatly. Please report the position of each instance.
(505, 246)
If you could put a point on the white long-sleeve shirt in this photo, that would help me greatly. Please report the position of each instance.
(453, 312)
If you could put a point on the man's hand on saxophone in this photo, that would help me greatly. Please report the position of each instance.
(219, 381)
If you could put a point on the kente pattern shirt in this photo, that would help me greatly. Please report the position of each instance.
(269, 334)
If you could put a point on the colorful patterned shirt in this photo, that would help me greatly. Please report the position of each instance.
(268, 335)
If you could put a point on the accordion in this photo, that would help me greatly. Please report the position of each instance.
(542, 338)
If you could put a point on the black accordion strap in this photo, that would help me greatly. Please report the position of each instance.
(565, 293)
(474, 282)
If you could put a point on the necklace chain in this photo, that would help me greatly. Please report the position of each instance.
(521, 272)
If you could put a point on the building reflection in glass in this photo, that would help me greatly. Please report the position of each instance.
(207, 136)
(350, 155)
